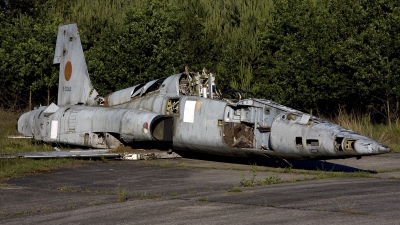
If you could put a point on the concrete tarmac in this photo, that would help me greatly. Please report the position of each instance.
(193, 191)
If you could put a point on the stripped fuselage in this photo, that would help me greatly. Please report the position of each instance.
(184, 112)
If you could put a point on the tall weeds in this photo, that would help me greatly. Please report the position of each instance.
(8, 127)
(362, 124)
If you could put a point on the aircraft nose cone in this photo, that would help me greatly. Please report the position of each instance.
(384, 149)
(370, 147)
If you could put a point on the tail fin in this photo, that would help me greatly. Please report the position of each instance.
(74, 86)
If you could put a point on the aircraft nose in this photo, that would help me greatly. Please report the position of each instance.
(368, 146)
(384, 149)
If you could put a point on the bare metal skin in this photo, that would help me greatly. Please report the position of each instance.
(184, 112)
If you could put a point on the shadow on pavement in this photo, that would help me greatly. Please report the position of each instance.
(280, 163)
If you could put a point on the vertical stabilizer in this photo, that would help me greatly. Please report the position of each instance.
(74, 86)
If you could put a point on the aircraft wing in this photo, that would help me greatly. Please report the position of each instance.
(95, 154)
(103, 153)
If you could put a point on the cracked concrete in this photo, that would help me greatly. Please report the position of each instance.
(183, 191)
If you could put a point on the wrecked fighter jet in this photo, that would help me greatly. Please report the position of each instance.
(185, 113)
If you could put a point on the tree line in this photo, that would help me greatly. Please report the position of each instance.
(316, 56)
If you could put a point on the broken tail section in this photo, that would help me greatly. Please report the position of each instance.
(74, 87)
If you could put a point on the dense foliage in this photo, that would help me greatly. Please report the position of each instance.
(313, 55)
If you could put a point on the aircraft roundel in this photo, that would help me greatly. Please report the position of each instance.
(145, 127)
(68, 70)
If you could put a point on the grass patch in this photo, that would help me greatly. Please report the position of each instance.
(192, 192)
(153, 196)
(8, 122)
(321, 174)
(235, 189)
(96, 203)
(10, 145)
(84, 191)
(252, 182)
(19, 166)
(388, 170)
(159, 163)
(121, 193)
(146, 195)
(203, 199)
(317, 175)
(182, 165)
(48, 210)
(5, 185)
(331, 174)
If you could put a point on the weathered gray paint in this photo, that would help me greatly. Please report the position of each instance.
(77, 88)
(185, 111)
(120, 96)
(204, 130)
